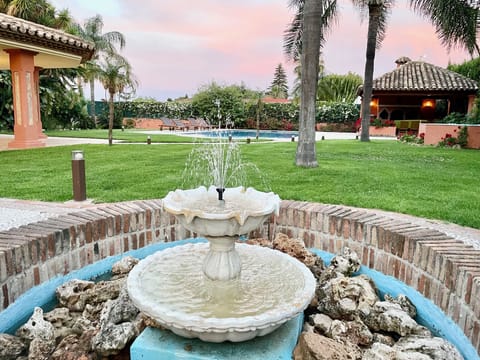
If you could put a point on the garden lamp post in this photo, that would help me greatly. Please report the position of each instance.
(78, 176)
(217, 102)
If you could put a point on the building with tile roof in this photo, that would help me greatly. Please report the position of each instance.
(419, 90)
(54, 48)
(25, 49)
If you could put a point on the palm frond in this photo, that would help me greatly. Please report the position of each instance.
(292, 37)
(456, 21)
(384, 9)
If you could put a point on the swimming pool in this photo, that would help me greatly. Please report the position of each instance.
(243, 134)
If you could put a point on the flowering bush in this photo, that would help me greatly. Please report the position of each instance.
(379, 123)
(449, 140)
(411, 138)
(337, 112)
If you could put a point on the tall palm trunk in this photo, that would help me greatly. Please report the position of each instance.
(312, 33)
(259, 111)
(92, 102)
(80, 86)
(111, 115)
(374, 13)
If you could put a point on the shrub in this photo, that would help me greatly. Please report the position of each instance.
(129, 123)
(412, 138)
(340, 112)
(379, 123)
(456, 118)
(449, 140)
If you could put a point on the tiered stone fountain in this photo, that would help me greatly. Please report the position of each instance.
(221, 290)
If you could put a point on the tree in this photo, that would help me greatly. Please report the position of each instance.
(303, 40)
(6, 101)
(311, 40)
(220, 105)
(105, 46)
(58, 105)
(258, 113)
(279, 87)
(455, 22)
(306, 32)
(117, 78)
(298, 78)
(339, 88)
(470, 69)
(377, 11)
(39, 11)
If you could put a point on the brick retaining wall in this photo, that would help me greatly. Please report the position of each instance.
(443, 269)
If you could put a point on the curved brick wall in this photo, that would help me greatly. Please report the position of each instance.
(443, 269)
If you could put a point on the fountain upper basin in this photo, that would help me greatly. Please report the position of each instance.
(241, 211)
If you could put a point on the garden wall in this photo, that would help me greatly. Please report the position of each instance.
(435, 132)
(389, 131)
(441, 268)
(147, 124)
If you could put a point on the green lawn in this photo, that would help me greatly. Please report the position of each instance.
(423, 181)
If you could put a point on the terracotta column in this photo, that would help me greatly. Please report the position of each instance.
(26, 111)
(471, 103)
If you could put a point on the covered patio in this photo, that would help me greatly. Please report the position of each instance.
(417, 90)
(25, 49)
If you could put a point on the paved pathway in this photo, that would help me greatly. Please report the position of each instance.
(53, 141)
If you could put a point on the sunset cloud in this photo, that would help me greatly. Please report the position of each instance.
(176, 46)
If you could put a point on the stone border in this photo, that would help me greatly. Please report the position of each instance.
(442, 268)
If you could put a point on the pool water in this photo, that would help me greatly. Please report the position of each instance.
(243, 134)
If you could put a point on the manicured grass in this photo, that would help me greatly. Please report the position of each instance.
(423, 181)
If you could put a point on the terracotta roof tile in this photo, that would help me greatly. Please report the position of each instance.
(13, 28)
(421, 76)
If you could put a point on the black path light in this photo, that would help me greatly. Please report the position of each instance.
(78, 176)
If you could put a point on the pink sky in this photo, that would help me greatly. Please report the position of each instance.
(177, 46)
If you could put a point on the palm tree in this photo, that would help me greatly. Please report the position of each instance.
(29, 10)
(311, 39)
(455, 22)
(306, 33)
(117, 78)
(297, 70)
(104, 46)
(38, 11)
(377, 13)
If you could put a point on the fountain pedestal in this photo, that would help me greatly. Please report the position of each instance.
(155, 344)
(222, 261)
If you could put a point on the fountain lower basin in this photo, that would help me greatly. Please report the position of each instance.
(170, 287)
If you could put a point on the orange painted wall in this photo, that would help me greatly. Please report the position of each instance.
(435, 132)
(150, 124)
(382, 131)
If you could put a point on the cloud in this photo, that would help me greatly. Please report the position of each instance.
(176, 46)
